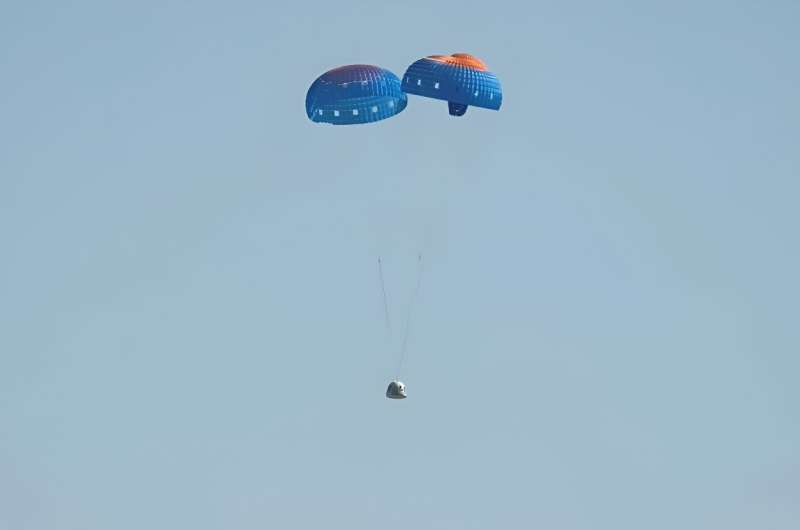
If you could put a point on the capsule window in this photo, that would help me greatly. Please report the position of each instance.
(419, 82)
(375, 109)
(436, 85)
(319, 112)
(475, 94)
(391, 104)
(355, 112)
(335, 112)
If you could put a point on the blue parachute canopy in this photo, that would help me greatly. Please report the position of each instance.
(354, 94)
(460, 79)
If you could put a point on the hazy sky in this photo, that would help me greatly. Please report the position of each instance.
(191, 329)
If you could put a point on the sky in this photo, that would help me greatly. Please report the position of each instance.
(191, 326)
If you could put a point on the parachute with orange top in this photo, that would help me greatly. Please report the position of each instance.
(460, 79)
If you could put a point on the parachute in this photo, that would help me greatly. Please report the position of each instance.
(460, 79)
(355, 94)
(358, 94)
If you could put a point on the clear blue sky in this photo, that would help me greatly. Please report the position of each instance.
(191, 332)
